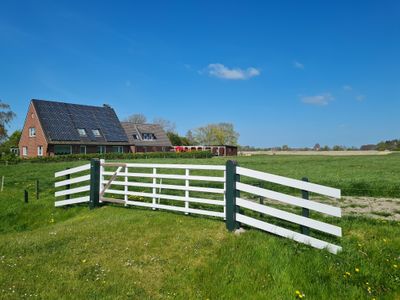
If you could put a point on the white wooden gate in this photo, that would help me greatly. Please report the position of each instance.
(226, 192)
(175, 187)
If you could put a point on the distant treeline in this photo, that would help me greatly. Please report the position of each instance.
(392, 145)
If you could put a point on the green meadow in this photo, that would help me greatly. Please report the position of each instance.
(116, 252)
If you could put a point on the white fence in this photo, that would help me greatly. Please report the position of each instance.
(204, 190)
(285, 215)
(68, 181)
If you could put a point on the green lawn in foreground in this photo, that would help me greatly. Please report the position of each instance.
(122, 253)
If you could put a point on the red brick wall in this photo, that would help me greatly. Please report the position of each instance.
(32, 142)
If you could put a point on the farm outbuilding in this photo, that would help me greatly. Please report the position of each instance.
(222, 150)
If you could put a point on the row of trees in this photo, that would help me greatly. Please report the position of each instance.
(210, 134)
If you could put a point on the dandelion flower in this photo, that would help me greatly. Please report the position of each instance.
(83, 260)
(395, 266)
(357, 270)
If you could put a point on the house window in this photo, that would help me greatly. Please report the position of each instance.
(24, 151)
(82, 149)
(101, 149)
(96, 132)
(118, 149)
(40, 150)
(32, 132)
(62, 149)
(82, 132)
(148, 136)
(135, 136)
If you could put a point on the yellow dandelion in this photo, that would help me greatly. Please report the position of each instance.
(83, 260)
(297, 293)
(395, 266)
(357, 270)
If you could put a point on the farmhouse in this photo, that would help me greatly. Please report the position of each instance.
(56, 128)
(146, 137)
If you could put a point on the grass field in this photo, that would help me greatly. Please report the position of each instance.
(127, 253)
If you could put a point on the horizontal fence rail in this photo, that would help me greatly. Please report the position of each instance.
(210, 190)
(68, 181)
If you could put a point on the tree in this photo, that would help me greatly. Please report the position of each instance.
(6, 116)
(317, 147)
(12, 141)
(189, 136)
(167, 126)
(216, 134)
(177, 140)
(136, 119)
(285, 147)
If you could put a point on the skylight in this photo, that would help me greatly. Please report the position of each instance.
(82, 132)
(96, 132)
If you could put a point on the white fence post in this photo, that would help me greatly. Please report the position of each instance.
(187, 173)
(126, 186)
(154, 188)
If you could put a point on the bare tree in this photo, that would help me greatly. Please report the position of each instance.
(136, 119)
(6, 116)
(167, 125)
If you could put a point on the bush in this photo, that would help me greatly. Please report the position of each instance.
(124, 156)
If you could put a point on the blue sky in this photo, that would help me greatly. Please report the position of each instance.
(289, 72)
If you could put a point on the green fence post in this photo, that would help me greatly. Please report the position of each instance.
(94, 183)
(37, 189)
(231, 208)
(305, 211)
(68, 186)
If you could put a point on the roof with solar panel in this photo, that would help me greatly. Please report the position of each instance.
(66, 122)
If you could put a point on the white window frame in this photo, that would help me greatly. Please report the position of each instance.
(40, 150)
(101, 148)
(148, 136)
(82, 132)
(120, 149)
(80, 148)
(24, 151)
(32, 131)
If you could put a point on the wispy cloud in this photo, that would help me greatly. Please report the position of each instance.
(347, 87)
(298, 65)
(322, 99)
(221, 71)
(360, 97)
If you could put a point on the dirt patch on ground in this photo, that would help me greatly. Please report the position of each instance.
(381, 208)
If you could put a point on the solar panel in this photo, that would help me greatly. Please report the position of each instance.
(61, 121)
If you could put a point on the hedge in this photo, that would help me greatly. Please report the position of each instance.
(124, 156)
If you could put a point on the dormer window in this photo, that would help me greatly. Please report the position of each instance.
(32, 132)
(148, 136)
(96, 132)
(82, 132)
(135, 136)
